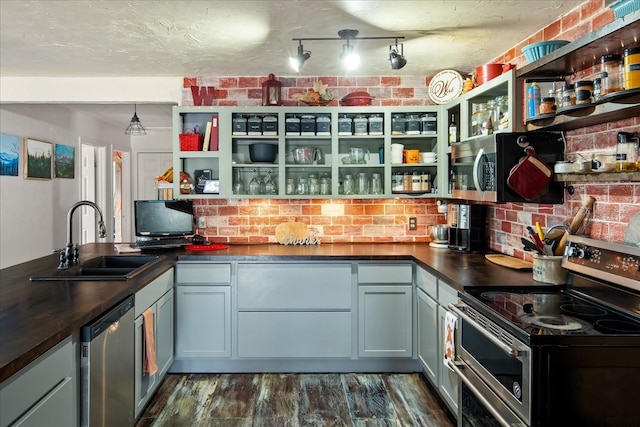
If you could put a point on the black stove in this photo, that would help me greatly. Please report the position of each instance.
(554, 355)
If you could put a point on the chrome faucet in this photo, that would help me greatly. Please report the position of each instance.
(69, 255)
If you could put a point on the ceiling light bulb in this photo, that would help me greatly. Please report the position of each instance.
(350, 59)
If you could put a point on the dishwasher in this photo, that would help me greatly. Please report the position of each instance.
(107, 368)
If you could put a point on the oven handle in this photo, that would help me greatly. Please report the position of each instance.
(504, 347)
(477, 393)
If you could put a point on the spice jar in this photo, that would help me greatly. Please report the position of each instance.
(568, 96)
(584, 89)
(611, 68)
(548, 105)
(632, 68)
(597, 89)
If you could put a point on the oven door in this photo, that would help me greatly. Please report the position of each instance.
(501, 361)
(478, 404)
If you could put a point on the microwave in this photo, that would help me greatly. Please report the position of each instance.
(480, 167)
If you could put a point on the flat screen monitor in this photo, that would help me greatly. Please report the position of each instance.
(163, 218)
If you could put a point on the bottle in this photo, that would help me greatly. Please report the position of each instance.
(626, 152)
(534, 99)
(453, 130)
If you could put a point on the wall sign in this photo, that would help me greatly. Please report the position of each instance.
(445, 86)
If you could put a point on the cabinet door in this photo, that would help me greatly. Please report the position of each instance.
(428, 343)
(384, 321)
(53, 409)
(203, 321)
(164, 333)
(448, 379)
(144, 384)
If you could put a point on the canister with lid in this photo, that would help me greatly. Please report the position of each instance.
(397, 182)
(239, 124)
(413, 124)
(360, 125)
(375, 124)
(398, 123)
(345, 125)
(307, 125)
(568, 96)
(548, 105)
(323, 125)
(254, 125)
(428, 121)
(270, 125)
(292, 125)
(632, 68)
(611, 74)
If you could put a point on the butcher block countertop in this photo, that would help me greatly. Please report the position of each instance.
(35, 316)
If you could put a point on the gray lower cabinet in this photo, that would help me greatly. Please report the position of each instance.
(203, 310)
(45, 393)
(158, 297)
(294, 310)
(385, 310)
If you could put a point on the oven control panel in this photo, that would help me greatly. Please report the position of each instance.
(614, 262)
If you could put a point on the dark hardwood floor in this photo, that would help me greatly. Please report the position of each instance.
(295, 400)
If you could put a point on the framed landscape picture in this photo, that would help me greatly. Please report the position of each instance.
(9, 154)
(38, 157)
(64, 161)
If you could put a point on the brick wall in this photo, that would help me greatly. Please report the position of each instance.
(385, 220)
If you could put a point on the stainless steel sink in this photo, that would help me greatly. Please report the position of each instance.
(102, 268)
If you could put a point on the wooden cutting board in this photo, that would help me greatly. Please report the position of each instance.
(509, 261)
(297, 230)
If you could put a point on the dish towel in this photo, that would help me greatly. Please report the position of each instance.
(449, 338)
(149, 365)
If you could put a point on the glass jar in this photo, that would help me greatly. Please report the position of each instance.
(426, 183)
(626, 152)
(362, 185)
(416, 181)
(479, 119)
(323, 125)
(584, 91)
(597, 89)
(548, 105)
(376, 184)
(348, 185)
(406, 182)
(291, 186)
(325, 185)
(254, 125)
(568, 96)
(314, 185)
(428, 121)
(611, 74)
(303, 186)
(632, 68)
(292, 125)
(239, 124)
(397, 182)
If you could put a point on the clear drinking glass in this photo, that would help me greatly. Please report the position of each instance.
(254, 184)
(270, 185)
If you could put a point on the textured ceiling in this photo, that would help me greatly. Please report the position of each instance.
(253, 38)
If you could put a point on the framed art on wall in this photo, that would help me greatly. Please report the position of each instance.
(9, 154)
(37, 159)
(64, 161)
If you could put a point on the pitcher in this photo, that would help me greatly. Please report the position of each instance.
(358, 155)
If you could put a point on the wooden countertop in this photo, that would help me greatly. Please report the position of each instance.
(35, 316)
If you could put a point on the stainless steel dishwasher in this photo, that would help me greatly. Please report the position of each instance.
(107, 368)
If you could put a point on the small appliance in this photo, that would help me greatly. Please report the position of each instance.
(467, 227)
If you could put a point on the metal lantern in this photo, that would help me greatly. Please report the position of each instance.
(271, 91)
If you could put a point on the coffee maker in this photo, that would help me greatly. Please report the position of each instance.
(467, 228)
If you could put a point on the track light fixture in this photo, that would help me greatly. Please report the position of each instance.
(297, 61)
(396, 57)
(349, 56)
(135, 127)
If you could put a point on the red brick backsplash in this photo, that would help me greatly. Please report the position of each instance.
(386, 220)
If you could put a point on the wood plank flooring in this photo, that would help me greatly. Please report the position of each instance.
(267, 400)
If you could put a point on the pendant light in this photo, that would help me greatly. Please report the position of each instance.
(135, 127)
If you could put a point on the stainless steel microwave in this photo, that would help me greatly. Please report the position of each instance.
(480, 166)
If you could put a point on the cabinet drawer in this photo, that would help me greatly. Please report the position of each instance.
(203, 273)
(446, 294)
(294, 334)
(35, 381)
(153, 292)
(385, 273)
(294, 286)
(427, 282)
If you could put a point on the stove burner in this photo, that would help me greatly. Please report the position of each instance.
(617, 326)
(583, 310)
(559, 322)
(492, 296)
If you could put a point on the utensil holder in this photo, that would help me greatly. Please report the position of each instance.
(548, 269)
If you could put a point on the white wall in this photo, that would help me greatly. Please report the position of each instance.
(33, 212)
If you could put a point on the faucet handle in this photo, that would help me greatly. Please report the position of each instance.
(62, 259)
(75, 256)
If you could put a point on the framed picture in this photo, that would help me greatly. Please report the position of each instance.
(38, 157)
(64, 161)
(9, 154)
